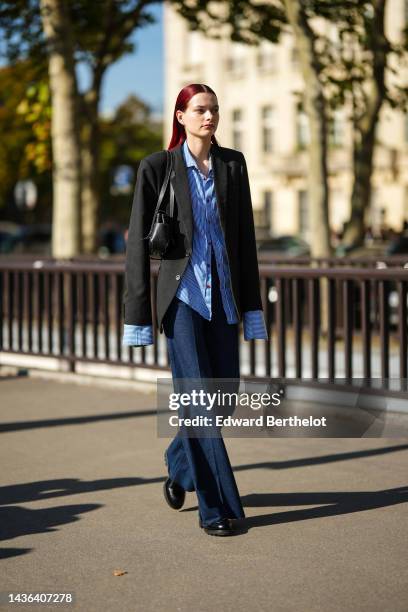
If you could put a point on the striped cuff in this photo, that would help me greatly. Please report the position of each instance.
(254, 325)
(137, 335)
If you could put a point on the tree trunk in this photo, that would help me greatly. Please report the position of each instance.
(90, 183)
(364, 132)
(66, 230)
(361, 193)
(315, 108)
(316, 112)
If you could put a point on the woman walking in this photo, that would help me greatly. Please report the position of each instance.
(208, 282)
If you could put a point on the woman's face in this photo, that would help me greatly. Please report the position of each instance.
(201, 116)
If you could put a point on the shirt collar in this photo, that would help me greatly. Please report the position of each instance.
(189, 159)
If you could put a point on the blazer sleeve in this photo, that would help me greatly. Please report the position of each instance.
(250, 291)
(136, 295)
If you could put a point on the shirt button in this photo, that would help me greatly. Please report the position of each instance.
(177, 276)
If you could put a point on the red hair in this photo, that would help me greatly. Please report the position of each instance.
(184, 97)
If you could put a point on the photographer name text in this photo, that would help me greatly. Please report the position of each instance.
(259, 421)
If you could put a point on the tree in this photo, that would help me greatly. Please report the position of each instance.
(96, 34)
(66, 235)
(315, 107)
(356, 70)
(102, 35)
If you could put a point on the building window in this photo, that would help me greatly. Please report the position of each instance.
(303, 212)
(294, 58)
(302, 127)
(266, 57)
(267, 208)
(406, 127)
(406, 203)
(235, 63)
(237, 129)
(375, 210)
(235, 66)
(267, 129)
(336, 129)
(194, 49)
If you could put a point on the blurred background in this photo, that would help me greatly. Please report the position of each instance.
(316, 99)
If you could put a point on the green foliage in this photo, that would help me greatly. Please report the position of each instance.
(17, 83)
(248, 22)
(101, 29)
(21, 30)
(35, 107)
(126, 138)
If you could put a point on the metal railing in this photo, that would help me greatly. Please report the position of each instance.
(325, 322)
(378, 261)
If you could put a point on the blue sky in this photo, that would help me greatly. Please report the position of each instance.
(139, 73)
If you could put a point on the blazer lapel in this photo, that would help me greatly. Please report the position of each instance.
(179, 180)
(220, 171)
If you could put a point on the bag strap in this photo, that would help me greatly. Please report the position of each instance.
(169, 168)
(171, 193)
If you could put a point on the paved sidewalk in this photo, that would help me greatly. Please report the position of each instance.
(81, 496)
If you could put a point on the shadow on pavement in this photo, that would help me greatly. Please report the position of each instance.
(336, 503)
(330, 503)
(16, 522)
(92, 418)
(294, 463)
(46, 489)
(7, 553)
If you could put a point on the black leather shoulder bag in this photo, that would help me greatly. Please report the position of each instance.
(161, 232)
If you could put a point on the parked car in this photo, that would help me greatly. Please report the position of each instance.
(290, 246)
(111, 240)
(399, 245)
(9, 236)
(34, 239)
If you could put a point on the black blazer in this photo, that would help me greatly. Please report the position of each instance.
(236, 216)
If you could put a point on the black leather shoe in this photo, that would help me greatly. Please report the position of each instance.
(200, 522)
(219, 528)
(174, 494)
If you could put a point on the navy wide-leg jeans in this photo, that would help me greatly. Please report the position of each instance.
(203, 349)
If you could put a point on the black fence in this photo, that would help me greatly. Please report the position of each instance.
(347, 320)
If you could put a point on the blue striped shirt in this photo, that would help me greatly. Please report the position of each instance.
(195, 285)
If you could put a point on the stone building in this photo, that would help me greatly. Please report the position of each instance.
(259, 90)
